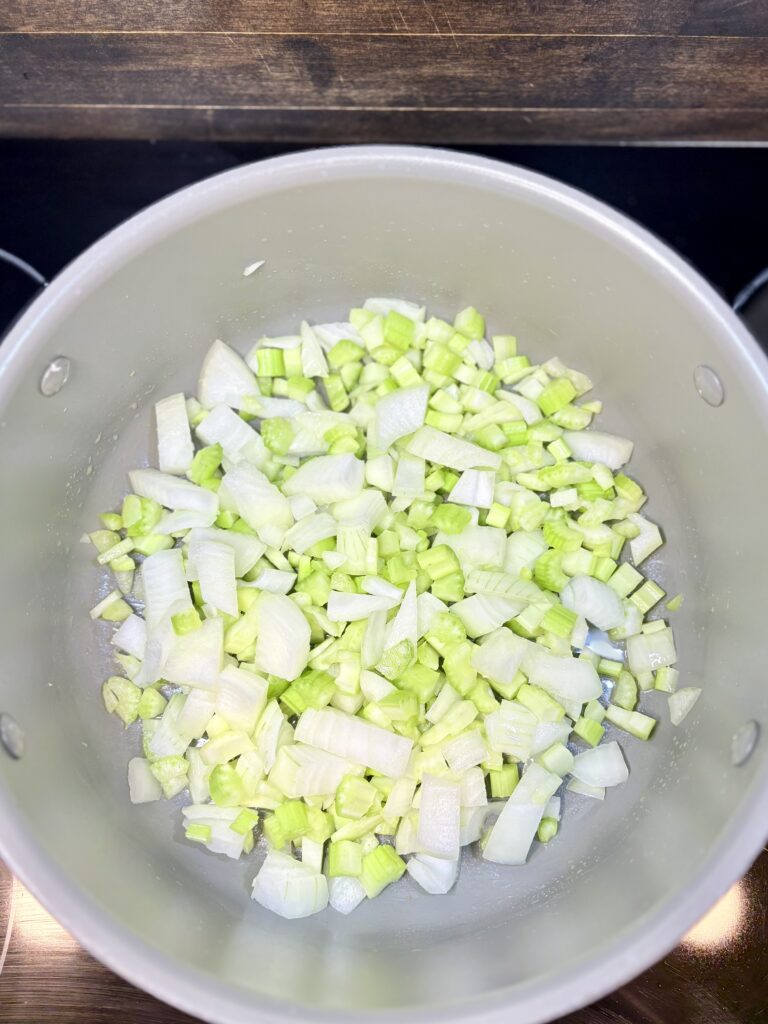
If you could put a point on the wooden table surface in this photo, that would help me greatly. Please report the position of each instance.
(445, 71)
(718, 975)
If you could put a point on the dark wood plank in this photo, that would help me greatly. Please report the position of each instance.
(320, 126)
(306, 88)
(445, 17)
(48, 979)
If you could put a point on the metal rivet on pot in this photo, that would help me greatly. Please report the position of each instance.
(744, 742)
(55, 376)
(709, 385)
(11, 735)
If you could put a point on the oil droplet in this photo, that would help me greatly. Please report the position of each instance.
(744, 742)
(55, 376)
(11, 736)
(709, 385)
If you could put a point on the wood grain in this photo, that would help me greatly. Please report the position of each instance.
(379, 87)
(49, 979)
(445, 71)
(402, 17)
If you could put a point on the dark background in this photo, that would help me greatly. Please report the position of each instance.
(57, 197)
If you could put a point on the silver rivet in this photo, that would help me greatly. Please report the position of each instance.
(744, 742)
(55, 376)
(11, 736)
(709, 385)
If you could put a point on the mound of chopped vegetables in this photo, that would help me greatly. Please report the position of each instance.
(385, 608)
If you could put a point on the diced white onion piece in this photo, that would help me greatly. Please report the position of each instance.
(196, 658)
(380, 472)
(142, 784)
(483, 613)
(248, 549)
(377, 586)
(345, 607)
(258, 501)
(434, 874)
(428, 606)
(373, 639)
(282, 645)
(400, 799)
(515, 828)
(165, 585)
(172, 491)
(310, 531)
(272, 727)
(472, 784)
(511, 730)
(131, 636)
(681, 702)
(182, 519)
(594, 446)
(402, 306)
(553, 808)
(304, 771)
(474, 487)
(405, 624)
(289, 888)
(276, 581)
(547, 733)
(328, 478)
(572, 678)
(647, 541)
(369, 508)
(500, 655)
(355, 740)
(301, 506)
(439, 817)
(313, 361)
(215, 564)
(345, 893)
(596, 601)
(277, 408)
(530, 412)
(647, 652)
(398, 414)
(253, 267)
(409, 477)
(481, 353)
(473, 820)
(465, 751)
(329, 334)
(174, 439)
(442, 702)
(224, 427)
(374, 687)
(196, 712)
(476, 546)
(603, 765)
(583, 789)
(310, 429)
(224, 378)
(453, 452)
(312, 853)
(240, 698)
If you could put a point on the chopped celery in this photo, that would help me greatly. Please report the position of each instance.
(380, 560)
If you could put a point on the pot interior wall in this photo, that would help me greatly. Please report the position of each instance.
(136, 327)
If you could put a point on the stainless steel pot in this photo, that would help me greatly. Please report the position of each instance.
(679, 374)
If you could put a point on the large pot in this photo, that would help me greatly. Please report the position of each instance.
(134, 315)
